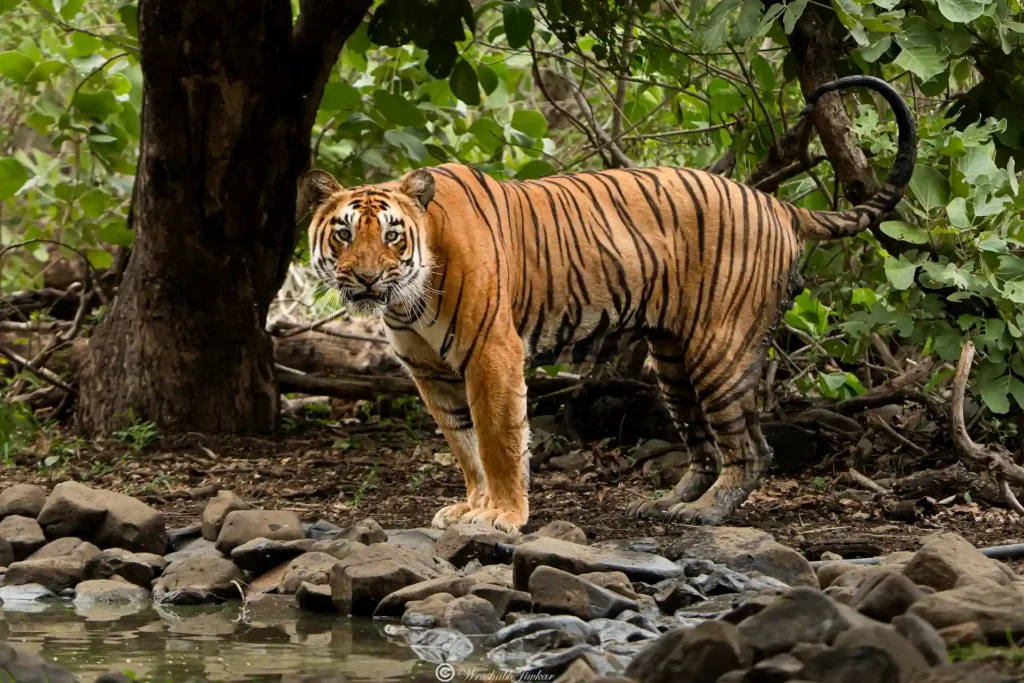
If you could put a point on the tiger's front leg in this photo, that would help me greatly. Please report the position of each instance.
(496, 389)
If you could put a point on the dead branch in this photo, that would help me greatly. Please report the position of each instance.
(880, 422)
(896, 390)
(994, 458)
(867, 482)
(41, 373)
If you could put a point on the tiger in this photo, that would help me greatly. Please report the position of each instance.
(478, 279)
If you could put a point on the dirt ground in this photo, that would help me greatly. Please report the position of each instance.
(400, 471)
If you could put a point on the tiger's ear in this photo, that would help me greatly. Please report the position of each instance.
(419, 185)
(314, 187)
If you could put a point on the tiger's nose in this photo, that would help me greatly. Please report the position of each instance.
(365, 277)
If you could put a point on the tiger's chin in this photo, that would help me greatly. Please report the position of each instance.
(367, 308)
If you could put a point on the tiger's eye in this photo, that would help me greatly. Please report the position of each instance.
(391, 236)
(344, 234)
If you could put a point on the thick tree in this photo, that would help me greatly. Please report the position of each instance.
(231, 90)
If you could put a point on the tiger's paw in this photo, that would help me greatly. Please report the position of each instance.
(450, 514)
(502, 519)
(694, 513)
(649, 509)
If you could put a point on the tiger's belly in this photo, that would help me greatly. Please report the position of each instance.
(584, 337)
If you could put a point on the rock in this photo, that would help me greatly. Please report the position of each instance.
(615, 631)
(198, 546)
(19, 665)
(470, 615)
(947, 557)
(829, 556)
(884, 596)
(361, 581)
(179, 537)
(311, 567)
(29, 592)
(801, 615)
(63, 547)
(747, 607)
(216, 511)
(782, 667)
(994, 609)
(57, 573)
(805, 652)
(560, 530)
(744, 550)
(577, 672)
(516, 653)
(338, 549)
(852, 665)
(199, 580)
(6, 553)
(962, 635)
(503, 599)
(908, 659)
(119, 562)
(558, 592)
(106, 518)
(113, 677)
(440, 645)
(242, 526)
(676, 595)
(617, 582)
(702, 653)
(428, 612)
(637, 619)
(155, 561)
(393, 605)
(421, 540)
(23, 500)
(314, 598)
(725, 581)
(830, 571)
(578, 559)
(924, 637)
(105, 592)
(366, 532)
(23, 534)
(263, 554)
(322, 530)
(572, 628)
(460, 544)
(547, 666)
(494, 574)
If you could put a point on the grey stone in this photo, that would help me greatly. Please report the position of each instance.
(617, 582)
(460, 544)
(702, 653)
(106, 592)
(907, 658)
(29, 592)
(6, 553)
(198, 580)
(263, 554)
(428, 612)
(25, 667)
(744, 550)
(57, 573)
(558, 592)
(802, 615)
(969, 671)
(561, 530)
(503, 599)
(516, 653)
(924, 637)
(421, 540)
(579, 559)
(440, 645)
(63, 547)
(23, 534)
(216, 511)
(637, 619)
(852, 665)
(573, 628)
(884, 596)
(315, 598)
(676, 595)
(995, 609)
(179, 537)
(24, 500)
(119, 562)
(106, 518)
(494, 574)
(367, 532)
(322, 530)
(361, 581)
(470, 615)
(617, 631)
(393, 605)
(242, 526)
(777, 669)
(198, 546)
(312, 567)
(946, 558)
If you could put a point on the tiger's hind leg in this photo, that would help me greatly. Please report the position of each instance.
(730, 404)
(691, 423)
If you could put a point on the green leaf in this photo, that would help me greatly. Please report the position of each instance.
(900, 272)
(99, 258)
(871, 53)
(16, 65)
(410, 144)
(537, 168)
(794, 10)
(71, 8)
(441, 58)
(905, 232)
(530, 122)
(397, 109)
(97, 105)
(8, 5)
(1017, 391)
(718, 24)
(117, 234)
(994, 394)
(339, 97)
(45, 70)
(922, 51)
(961, 11)
(930, 187)
(518, 23)
(488, 79)
(749, 18)
(129, 15)
(464, 83)
(93, 203)
(488, 134)
(956, 210)
(978, 163)
(12, 176)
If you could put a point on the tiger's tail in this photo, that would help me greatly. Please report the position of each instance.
(820, 225)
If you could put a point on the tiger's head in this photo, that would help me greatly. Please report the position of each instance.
(369, 242)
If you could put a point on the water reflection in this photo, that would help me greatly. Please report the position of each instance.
(260, 642)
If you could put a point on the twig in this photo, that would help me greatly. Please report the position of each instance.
(867, 482)
(41, 373)
(1011, 499)
(888, 429)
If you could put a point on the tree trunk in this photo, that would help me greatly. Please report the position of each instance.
(229, 97)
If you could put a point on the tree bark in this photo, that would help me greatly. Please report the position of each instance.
(230, 93)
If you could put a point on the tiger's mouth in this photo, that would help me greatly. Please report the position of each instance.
(370, 297)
